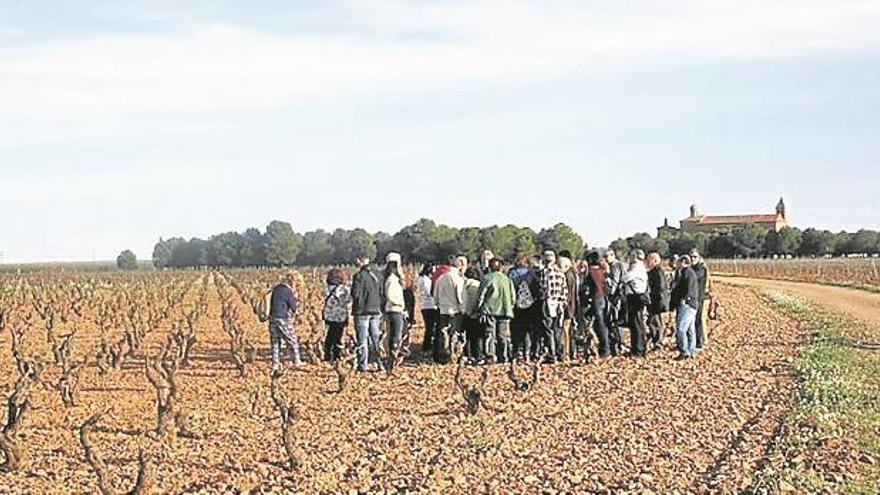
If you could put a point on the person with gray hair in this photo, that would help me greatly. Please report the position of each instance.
(685, 298)
(635, 289)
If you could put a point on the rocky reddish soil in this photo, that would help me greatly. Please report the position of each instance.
(615, 426)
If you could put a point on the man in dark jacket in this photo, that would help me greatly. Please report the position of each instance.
(282, 308)
(367, 293)
(702, 272)
(659, 290)
(685, 298)
(614, 300)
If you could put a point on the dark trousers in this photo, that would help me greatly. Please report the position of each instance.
(431, 317)
(333, 340)
(615, 339)
(475, 336)
(497, 331)
(551, 341)
(522, 327)
(600, 326)
(701, 336)
(635, 317)
(655, 328)
(396, 322)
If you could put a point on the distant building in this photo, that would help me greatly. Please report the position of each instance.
(698, 222)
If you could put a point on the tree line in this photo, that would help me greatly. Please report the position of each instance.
(752, 241)
(425, 240)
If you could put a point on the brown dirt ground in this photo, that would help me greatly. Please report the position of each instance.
(617, 426)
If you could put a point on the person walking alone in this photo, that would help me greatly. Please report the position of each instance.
(283, 307)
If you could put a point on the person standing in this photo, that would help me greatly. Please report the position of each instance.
(685, 298)
(523, 328)
(635, 289)
(614, 300)
(658, 288)
(473, 331)
(449, 293)
(337, 298)
(570, 320)
(554, 294)
(704, 287)
(496, 309)
(598, 302)
(395, 307)
(282, 311)
(430, 313)
(367, 294)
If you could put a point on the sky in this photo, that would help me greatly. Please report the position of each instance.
(124, 122)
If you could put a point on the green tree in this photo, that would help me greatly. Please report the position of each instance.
(862, 242)
(468, 242)
(785, 242)
(282, 244)
(620, 247)
(561, 237)
(524, 241)
(720, 245)
(749, 240)
(126, 260)
(162, 253)
(253, 252)
(227, 248)
(317, 249)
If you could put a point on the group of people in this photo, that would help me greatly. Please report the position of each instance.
(547, 308)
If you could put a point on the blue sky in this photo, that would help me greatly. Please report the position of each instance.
(121, 122)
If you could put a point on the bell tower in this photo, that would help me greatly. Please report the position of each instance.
(781, 209)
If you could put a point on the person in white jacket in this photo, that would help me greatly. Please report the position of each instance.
(635, 288)
(395, 308)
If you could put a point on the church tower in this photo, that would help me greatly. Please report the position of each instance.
(781, 209)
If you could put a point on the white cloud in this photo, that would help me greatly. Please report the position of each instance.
(94, 85)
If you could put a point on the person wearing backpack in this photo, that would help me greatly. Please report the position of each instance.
(337, 297)
(495, 307)
(525, 312)
(282, 309)
(658, 287)
(367, 296)
(635, 289)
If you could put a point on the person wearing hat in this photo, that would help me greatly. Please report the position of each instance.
(635, 289)
(685, 298)
(282, 309)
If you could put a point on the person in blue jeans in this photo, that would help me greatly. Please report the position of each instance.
(685, 298)
(367, 294)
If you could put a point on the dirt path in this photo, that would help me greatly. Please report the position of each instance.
(861, 305)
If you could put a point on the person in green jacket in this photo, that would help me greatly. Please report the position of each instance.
(495, 307)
